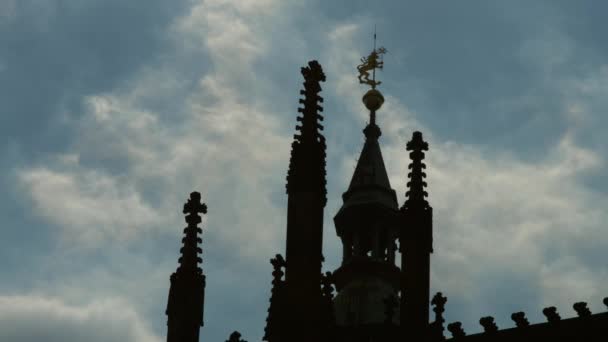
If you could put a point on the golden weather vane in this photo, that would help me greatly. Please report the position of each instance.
(371, 62)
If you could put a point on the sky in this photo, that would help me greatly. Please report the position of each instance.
(112, 112)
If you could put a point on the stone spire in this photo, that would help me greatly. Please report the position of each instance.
(307, 163)
(416, 194)
(274, 321)
(306, 199)
(416, 243)
(370, 181)
(187, 291)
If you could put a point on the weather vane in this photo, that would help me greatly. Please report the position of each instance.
(371, 62)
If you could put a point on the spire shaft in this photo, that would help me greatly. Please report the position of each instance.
(415, 239)
(187, 291)
(416, 196)
(307, 196)
(307, 163)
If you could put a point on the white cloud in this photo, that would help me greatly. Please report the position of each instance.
(34, 318)
(8, 10)
(89, 205)
(226, 145)
(492, 210)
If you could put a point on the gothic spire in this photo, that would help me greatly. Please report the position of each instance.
(366, 226)
(307, 163)
(187, 291)
(306, 199)
(416, 243)
(190, 252)
(416, 194)
(274, 320)
(370, 179)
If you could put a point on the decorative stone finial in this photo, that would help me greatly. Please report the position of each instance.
(581, 309)
(438, 302)
(551, 314)
(520, 319)
(191, 251)
(193, 207)
(235, 337)
(488, 324)
(456, 329)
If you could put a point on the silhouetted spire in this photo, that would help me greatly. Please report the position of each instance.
(307, 163)
(190, 251)
(416, 243)
(436, 327)
(370, 179)
(416, 195)
(187, 291)
(367, 280)
(273, 329)
(306, 199)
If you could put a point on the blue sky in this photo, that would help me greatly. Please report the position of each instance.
(112, 112)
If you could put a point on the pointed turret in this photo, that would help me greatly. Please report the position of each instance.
(368, 280)
(306, 200)
(416, 235)
(370, 183)
(187, 291)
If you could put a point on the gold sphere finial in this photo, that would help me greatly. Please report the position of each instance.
(373, 100)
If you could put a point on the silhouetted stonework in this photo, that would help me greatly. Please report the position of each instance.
(187, 291)
(375, 300)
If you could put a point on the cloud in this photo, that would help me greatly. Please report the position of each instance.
(116, 193)
(7, 11)
(129, 165)
(215, 113)
(88, 205)
(32, 318)
(56, 52)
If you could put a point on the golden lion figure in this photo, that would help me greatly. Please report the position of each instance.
(370, 63)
